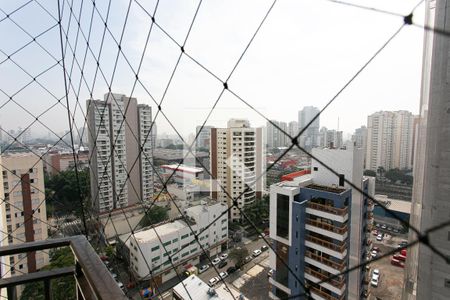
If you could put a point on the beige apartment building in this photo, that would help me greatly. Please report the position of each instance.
(237, 162)
(23, 208)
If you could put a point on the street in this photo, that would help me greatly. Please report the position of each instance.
(253, 245)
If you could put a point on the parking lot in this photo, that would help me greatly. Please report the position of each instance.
(391, 277)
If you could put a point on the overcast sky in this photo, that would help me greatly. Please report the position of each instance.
(304, 53)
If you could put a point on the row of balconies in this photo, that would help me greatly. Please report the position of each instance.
(328, 208)
(340, 266)
(324, 294)
(335, 246)
(334, 282)
(326, 226)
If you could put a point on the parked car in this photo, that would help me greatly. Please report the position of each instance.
(114, 275)
(224, 256)
(231, 270)
(375, 248)
(403, 244)
(378, 225)
(373, 253)
(375, 232)
(248, 259)
(222, 264)
(216, 261)
(264, 248)
(374, 282)
(376, 273)
(223, 275)
(270, 273)
(403, 252)
(256, 252)
(203, 269)
(379, 237)
(213, 281)
(120, 284)
(399, 257)
(375, 277)
(395, 230)
(383, 226)
(396, 262)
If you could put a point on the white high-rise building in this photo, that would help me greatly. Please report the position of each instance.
(293, 128)
(389, 140)
(284, 140)
(121, 174)
(427, 275)
(330, 138)
(310, 138)
(273, 134)
(237, 162)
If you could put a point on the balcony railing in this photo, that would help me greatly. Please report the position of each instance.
(324, 294)
(93, 280)
(333, 246)
(336, 283)
(329, 227)
(328, 208)
(326, 261)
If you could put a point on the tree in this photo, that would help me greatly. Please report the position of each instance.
(370, 173)
(63, 191)
(238, 255)
(381, 171)
(154, 215)
(258, 211)
(62, 288)
(109, 251)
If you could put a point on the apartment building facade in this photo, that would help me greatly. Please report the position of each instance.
(310, 136)
(147, 249)
(327, 229)
(389, 140)
(237, 164)
(427, 275)
(23, 211)
(121, 145)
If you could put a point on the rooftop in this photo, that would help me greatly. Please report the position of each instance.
(183, 168)
(330, 189)
(394, 204)
(199, 290)
(164, 229)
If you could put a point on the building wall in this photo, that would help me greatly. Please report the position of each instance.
(389, 140)
(153, 253)
(428, 275)
(24, 208)
(236, 161)
(115, 145)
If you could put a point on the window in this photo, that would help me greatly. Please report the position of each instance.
(447, 283)
(155, 258)
(341, 179)
(175, 240)
(282, 216)
(184, 236)
(316, 169)
(167, 243)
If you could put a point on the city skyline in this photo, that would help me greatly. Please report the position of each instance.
(301, 83)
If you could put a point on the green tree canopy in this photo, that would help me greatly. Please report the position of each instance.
(238, 255)
(154, 215)
(63, 194)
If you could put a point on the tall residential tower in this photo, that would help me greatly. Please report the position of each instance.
(237, 164)
(121, 145)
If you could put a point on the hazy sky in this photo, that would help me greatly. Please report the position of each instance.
(303, 54)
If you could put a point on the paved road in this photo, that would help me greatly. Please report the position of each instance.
(253, 245)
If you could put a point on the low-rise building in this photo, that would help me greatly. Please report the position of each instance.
(195, 288)
(183, 174)
(151, 248)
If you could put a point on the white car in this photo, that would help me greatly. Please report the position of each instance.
(216, 261)
(203, 269)
(373, 253)
(376, 273)
(224, 256)
(374, 282)
(379, 237)
(256, 252)
(223, 275)
(120, 284)
(213, 281)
